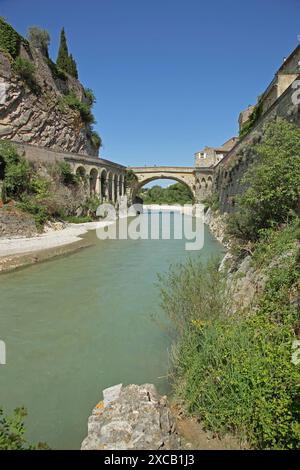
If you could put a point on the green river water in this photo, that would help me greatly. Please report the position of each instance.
(80, 323)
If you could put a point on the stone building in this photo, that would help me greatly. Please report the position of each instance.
(211, 156)
(245, 115)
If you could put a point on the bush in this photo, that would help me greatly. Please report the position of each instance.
(26, 71)
(235, 373)
(56, 72)
(83, 108)
(90, 96)
(10, 40)
(273, 182)
(253, 118)
(35, 208)
(96, 140)
(40, 39)
(65, 173)
(17, 171)
(12, 432)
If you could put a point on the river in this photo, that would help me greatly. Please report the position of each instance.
(80, 323)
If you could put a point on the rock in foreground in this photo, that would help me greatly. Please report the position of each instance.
(132, 417)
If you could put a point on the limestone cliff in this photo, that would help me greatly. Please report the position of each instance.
(40, 116)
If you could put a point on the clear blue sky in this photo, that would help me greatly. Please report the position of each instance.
(170, 76)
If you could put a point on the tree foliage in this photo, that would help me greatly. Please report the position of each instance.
(177, 193)
(40, 39)
(10, 40)
(273, 181)
(65, 61)
(12, 432)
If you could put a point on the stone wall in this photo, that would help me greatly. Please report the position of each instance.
(231, 169)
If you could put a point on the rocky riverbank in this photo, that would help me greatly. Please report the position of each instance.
(58, 239)
(132, 418)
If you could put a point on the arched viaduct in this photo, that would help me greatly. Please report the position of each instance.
(198, 180)
(107, 179)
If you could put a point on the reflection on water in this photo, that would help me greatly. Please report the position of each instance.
(78, 324)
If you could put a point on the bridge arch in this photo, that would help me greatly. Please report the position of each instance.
(93, 181)
(177, 179)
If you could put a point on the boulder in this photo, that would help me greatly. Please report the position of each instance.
(132, 418)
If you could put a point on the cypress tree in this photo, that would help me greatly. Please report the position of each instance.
(63, 54)
(65, 61)
(73, 67)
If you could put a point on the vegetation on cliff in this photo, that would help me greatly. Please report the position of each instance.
(64, 100)
(52, 192)
(233, 368)
(65, 61)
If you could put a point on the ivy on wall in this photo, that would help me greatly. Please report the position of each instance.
(10, 40)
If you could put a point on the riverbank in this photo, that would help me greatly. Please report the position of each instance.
(58, 239)
(16, 252)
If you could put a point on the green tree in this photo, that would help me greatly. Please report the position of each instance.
(40, 39)
(73, 67)
(273, 182)
(63, 53)
(65, 61)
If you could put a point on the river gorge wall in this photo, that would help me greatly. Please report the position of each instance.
(38, 115)
(229, 172)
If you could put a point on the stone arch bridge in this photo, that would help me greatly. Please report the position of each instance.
(107, 179)
(198, 180)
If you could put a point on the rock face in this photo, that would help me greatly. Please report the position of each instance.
(132, 418)
(41, 118)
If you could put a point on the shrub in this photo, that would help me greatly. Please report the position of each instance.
(235, 374)
(56, 72)
(90, 206)
(96, 140)
(65, 173)
(12, 432)
(83, 108)
(40, 39)
(273, 182)
(17, 171)
(10, 40)
(26, 71)
(130, 179)
(90, 96)
(35, 208)
(253, 118)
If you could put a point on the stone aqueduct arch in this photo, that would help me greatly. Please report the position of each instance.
(198, 180)
(103, 181)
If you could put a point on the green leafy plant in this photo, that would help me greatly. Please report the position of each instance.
(273, 182)
(17, 170)
(10, 40)
(96, 140)
(35, 208)
(25, 69)
(234, 373)
(84, 109)
(65, 173)
(12, 432)
(40, 39)
(253, 118)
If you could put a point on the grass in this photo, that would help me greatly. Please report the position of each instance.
(235, 373)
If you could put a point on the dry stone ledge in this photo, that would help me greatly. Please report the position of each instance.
(132, 418)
